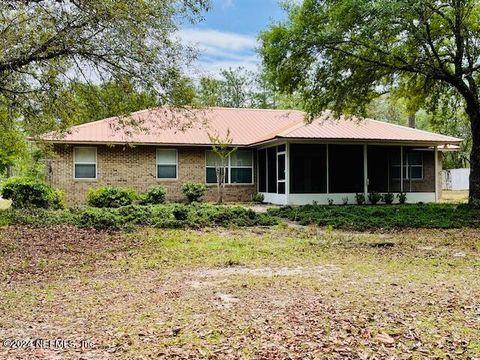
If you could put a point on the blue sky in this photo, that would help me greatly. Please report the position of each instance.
(228, 35)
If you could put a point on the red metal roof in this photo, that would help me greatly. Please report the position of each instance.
(247, 127)
(328, 127)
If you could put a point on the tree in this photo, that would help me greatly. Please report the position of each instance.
(209, 92)
(12, 141)
(238, 88)
(46, 44)
(231, 89)
(341, 54)
(222, 149)
(90, 102)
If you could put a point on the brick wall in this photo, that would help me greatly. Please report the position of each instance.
(136, 167)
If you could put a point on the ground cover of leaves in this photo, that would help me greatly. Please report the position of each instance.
(258, 293)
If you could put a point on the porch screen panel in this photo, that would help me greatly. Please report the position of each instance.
(308, 168)
(379, 162)
(345, 168)
(262, 170)
(272, 169)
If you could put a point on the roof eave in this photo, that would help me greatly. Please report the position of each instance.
(129, 143)
(359, 141)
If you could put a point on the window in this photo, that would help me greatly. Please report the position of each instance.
(166, 164)
(412, 166)
(85, 162)
(241, 167)
(238, 167)
(212, 162)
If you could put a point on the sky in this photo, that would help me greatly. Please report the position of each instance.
(228, 35)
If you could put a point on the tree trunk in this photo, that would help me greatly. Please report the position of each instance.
(412, 121)
(473, 112)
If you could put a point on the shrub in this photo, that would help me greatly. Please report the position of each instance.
(110, 197)
(193, 192)
(382, 217)
(32, 193)
(258, 198)
(345, 200)
(330, 201)
(360, 198)
(374, 197)
(402, 197)
(154, 195)
(101, 219)
(180, 213)
(388, 198)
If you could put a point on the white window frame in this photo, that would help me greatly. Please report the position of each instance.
(229, 167)
(165, 164)
(85, 163)
(406, 172)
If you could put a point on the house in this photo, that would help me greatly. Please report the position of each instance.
(279, 155)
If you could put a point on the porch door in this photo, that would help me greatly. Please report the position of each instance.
(281, 158)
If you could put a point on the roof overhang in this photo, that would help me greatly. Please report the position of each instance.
(127, 143)
(453, 145)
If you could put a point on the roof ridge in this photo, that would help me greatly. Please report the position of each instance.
(254, 109)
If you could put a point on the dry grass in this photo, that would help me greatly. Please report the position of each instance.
(4, 204)
(454, 196)
(254, 293)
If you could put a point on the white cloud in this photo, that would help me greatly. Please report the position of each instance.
(226, 4)
(208, 37)
(220, 50)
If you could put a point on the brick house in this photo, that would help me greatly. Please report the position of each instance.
(278, 155)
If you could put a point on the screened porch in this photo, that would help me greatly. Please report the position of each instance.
(300, 173)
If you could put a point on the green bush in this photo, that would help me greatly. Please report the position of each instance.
(258, 198)
(193, 192)
(101, 219)
(32, 193)
(388, 198)
(374, 197)
(360, 198)
(160, 216)
(352, 217)
(154, 195)
(402, 197)
(111, 197)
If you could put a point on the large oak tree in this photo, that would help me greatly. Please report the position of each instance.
(47, 44)
(340, 54)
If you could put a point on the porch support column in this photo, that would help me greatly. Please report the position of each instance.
(365, 171)
(401, 168)
(436, 173)
(287, 173)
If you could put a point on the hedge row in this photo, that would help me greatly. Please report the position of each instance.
(161, 216)
(352, 217)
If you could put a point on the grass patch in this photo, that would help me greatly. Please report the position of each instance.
(354, 217)
(4, 204)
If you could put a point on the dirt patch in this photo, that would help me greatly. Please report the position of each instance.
(266, 271)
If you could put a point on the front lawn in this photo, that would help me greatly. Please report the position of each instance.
(270, 293)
